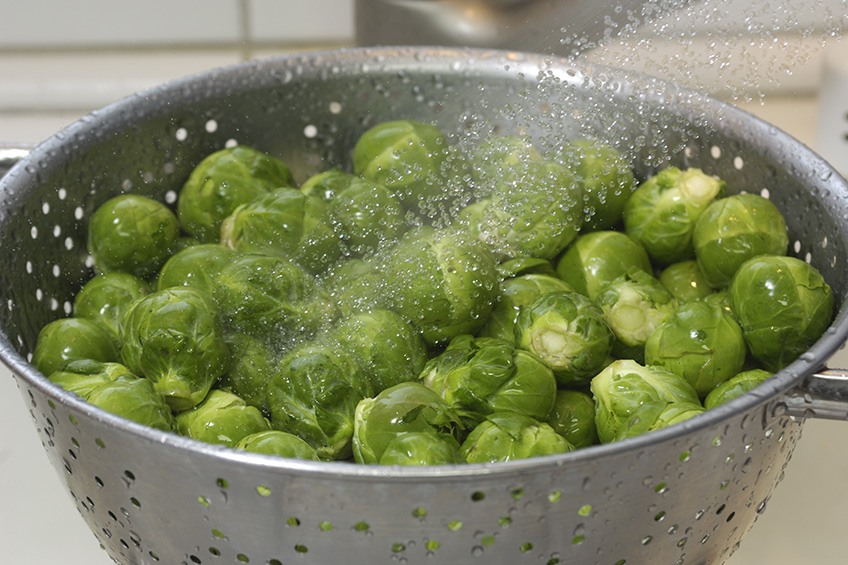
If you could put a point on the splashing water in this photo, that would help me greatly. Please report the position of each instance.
(738, 49)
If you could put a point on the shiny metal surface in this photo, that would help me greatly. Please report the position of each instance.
(686, 494)
(558, 27)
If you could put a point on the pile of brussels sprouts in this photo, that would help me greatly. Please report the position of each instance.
(433, 305)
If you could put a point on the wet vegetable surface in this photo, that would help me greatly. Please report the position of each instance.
(433, 304)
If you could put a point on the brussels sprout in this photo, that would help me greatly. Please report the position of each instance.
(783, 305)
(105, 299)
(526, 266)
(629, 397)
(313, 393)
(327, 184)
(515, 294)
(251, 364)
(661, 213)
(731, 230)
(399, 410)
(71, 339)
(196, 266)
(536, 215)
(736, 385)
(721, 298)
(441, 280)
(573, 417)
(221, 182)
(567, 331)
(479, 376)
(132, 234)
(221, 418)
(674, 413)
(356, 285)
(84, 375)
(498, 161)
(280, 444)
(174, 338)
(596, 258)
(387, 346)
(285, 223)
(413, 160)
(368, 216)
(634, 305)
(115, 389)
(506, 436)
(421, 448)
(700, 342)
(685, 281)
(606, 178)
(270, 297)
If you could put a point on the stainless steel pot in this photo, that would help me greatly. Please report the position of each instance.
(685, 494)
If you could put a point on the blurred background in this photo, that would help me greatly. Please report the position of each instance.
(785, 62)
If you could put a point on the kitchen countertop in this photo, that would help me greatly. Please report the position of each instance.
(804, 522)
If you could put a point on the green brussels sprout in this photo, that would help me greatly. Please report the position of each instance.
(629, 397)
(71, 339)
(506, 436)
(196, 266)
(222, 418)
(568, 332)
(327, 184)
(421, 448)
(442, 280)
(674, 413)
(783, 305)
(397, 411)
(114, 388)
(480, 376)
(251, 364)
(280, 444)
(536, 215)
(84, 375)
(526, 266)
(596, 258)
(498, 161)
(132, 234)
(731, 230)
(721, 298)
(223, 181)
(413, 160)
(661, 213)
(515, 294)
(105, 299)
(285, 223)
(685, 281)
(573, 417)
(313, 392)
(700, 342)
(634, 305)
(174, 338)
(735, 386)
(606, 177)
(368, 216)
(356, 285)
(388, 348)
(270, 297)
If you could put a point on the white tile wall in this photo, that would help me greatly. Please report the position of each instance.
(301, 21)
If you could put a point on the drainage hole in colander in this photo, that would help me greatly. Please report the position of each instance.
(517, 493)
(505, 521)
(153, 556)
(98, 481)
(554, 496)
(218, 534)
(263, 490)
(477, 496)
(300, 548)
(454, 525)
(293, 521)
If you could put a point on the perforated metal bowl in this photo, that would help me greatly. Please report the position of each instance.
(686, 494)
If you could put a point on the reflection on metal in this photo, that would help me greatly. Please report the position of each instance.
(557, 27)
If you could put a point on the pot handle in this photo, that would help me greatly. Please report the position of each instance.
(821, 395)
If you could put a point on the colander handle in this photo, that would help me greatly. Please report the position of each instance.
(11, 153)
(822, 395)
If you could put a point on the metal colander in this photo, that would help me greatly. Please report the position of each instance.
(685, 494)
